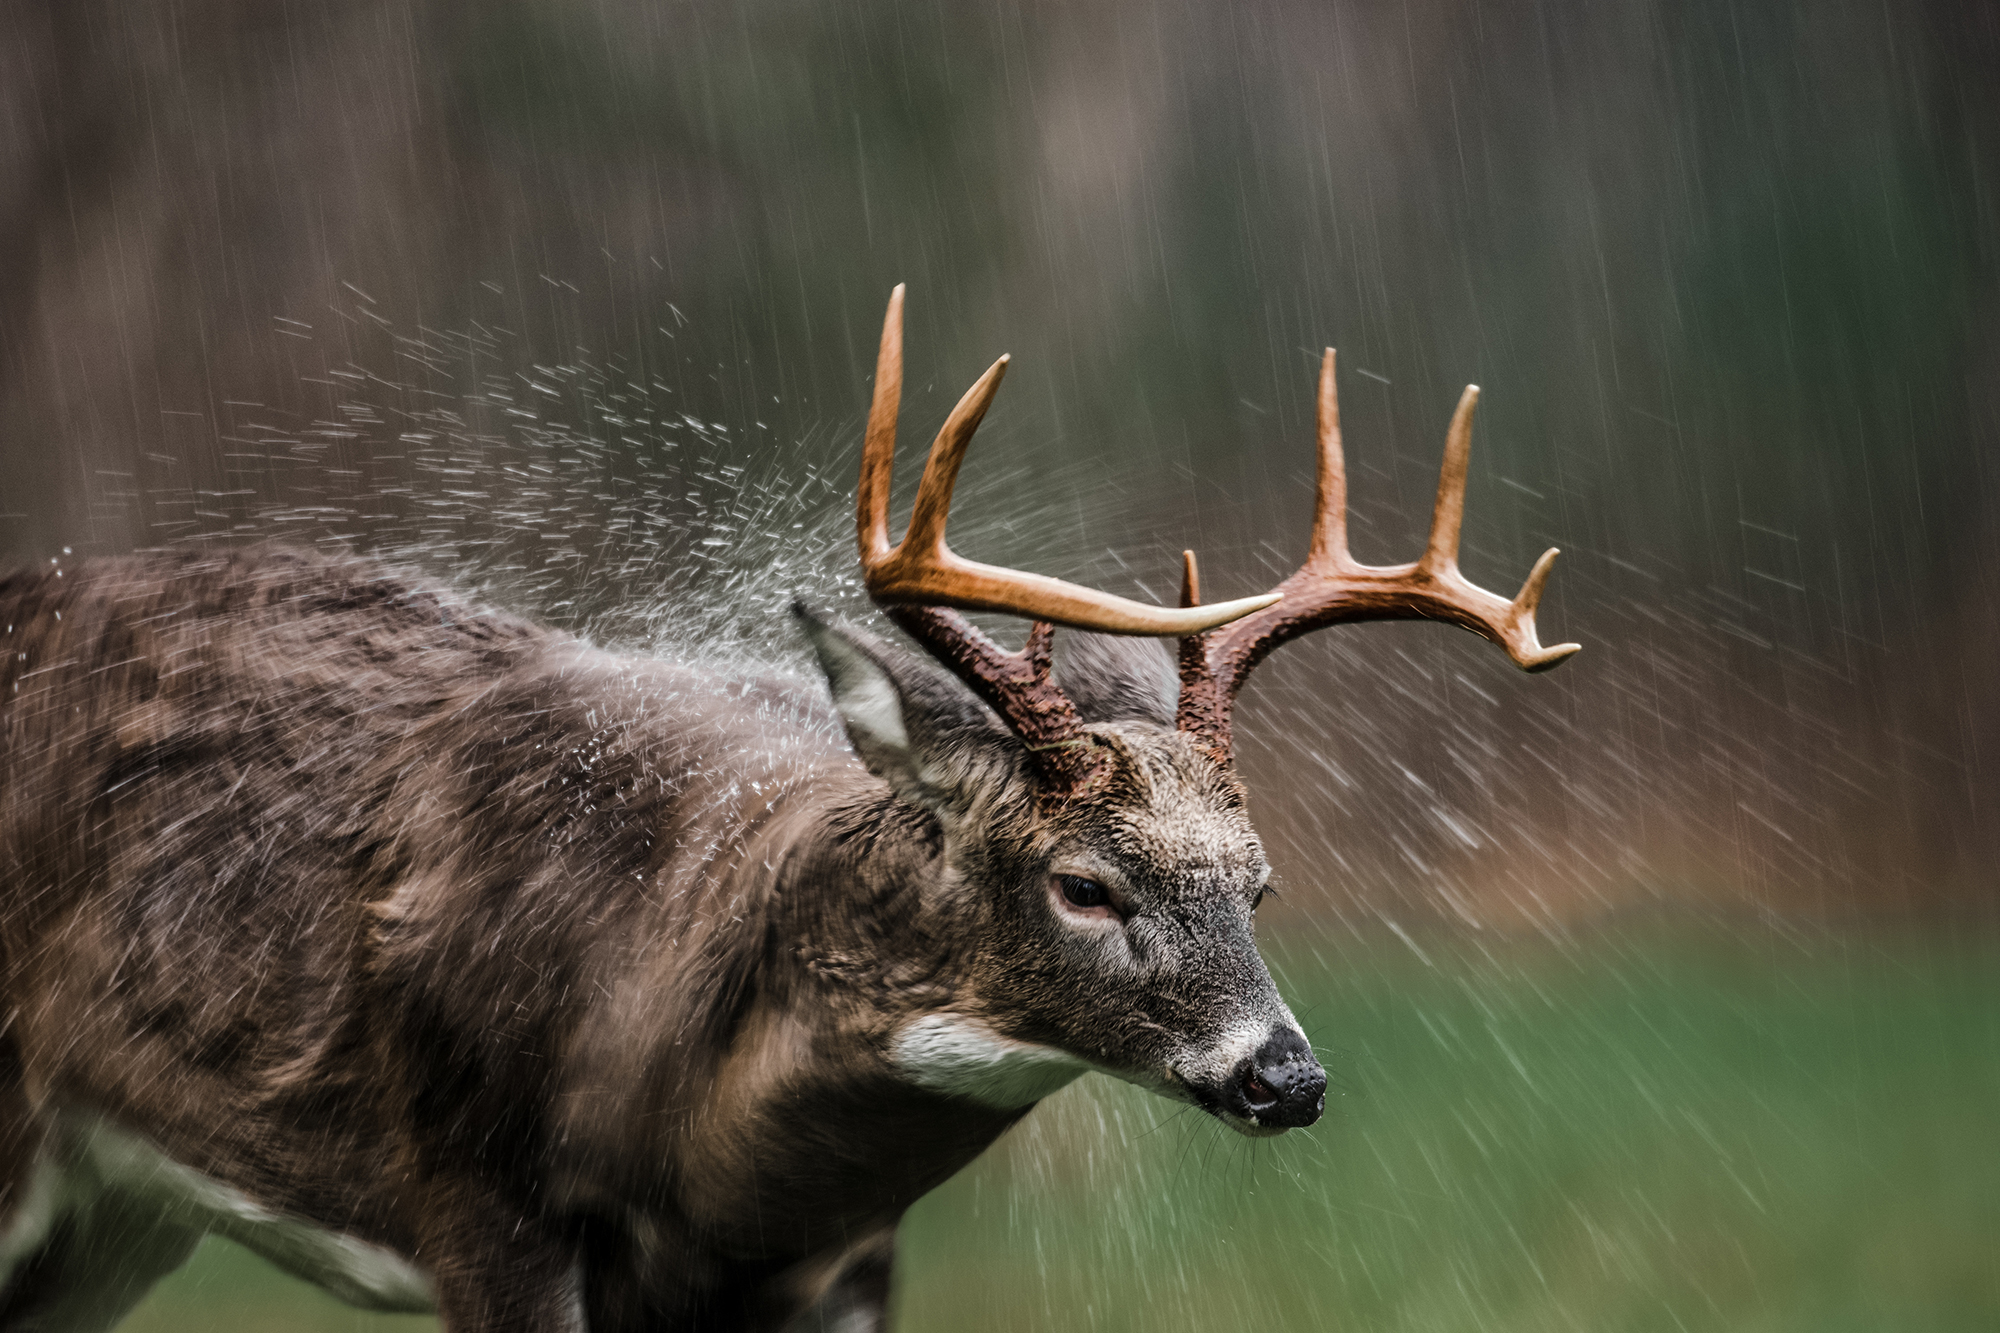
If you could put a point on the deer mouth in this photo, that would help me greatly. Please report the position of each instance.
(1276, 1087)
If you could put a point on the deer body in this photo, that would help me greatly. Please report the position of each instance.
(449, 961)
(374, 911)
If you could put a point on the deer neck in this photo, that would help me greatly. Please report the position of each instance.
(774, 1097)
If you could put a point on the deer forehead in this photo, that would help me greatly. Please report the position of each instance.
(1171, 812)
(1197, 847)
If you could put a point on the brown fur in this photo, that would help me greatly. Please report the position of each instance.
(542, 966)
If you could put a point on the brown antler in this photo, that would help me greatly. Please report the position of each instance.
(923, 571)
(915, 580)
(1332, 587)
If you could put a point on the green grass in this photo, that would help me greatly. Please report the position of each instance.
(1657, 1130)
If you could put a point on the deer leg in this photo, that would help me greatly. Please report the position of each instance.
(497, 1270)
(27, 1184)
(74, 1257)
(856, 1299)
(95, 1263)
(628, 1288)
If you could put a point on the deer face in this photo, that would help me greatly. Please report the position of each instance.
(1108, 927)
(1106, 847)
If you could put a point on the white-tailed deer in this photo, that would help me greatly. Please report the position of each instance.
(456, 965)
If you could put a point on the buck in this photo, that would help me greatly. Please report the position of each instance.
(454, 964)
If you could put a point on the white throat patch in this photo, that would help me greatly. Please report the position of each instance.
(963, 1057)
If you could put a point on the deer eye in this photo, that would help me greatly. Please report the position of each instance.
(1080, 892)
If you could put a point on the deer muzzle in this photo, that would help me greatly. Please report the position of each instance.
(1280, 1086)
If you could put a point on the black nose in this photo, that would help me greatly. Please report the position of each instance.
(1281, 1085)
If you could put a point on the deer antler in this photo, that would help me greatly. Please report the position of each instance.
(917, 579)
(922, 571)
(1332, 587)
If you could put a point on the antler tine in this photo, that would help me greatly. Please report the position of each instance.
(1190, 580)
(922, 570)
(933, 505)
(878, 448)
(1513, 628)
(1329, 541)
(1521, 617)
(1441, 551)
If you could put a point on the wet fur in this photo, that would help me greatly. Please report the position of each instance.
(573, 977)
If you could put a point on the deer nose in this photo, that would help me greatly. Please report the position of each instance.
(1282, 1085)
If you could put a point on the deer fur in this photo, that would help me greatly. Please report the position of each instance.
(454, 963)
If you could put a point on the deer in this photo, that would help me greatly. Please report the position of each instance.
(458, 965)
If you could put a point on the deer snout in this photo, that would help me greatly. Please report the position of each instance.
(1281, 1086)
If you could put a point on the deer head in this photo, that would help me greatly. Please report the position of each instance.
(1095, 862)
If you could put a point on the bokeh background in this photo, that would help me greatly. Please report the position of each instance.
(1661, 985)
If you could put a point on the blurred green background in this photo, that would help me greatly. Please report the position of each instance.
(1660, 985)
(1658, 1127)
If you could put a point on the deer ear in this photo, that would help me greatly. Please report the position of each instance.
(916, 728)
(1117, 678)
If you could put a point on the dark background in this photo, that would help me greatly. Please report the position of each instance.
(578, 301)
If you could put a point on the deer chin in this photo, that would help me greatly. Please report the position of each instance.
(1213, 1077)
(962, 1056)
(1248, 1128)
(1166, 1082)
